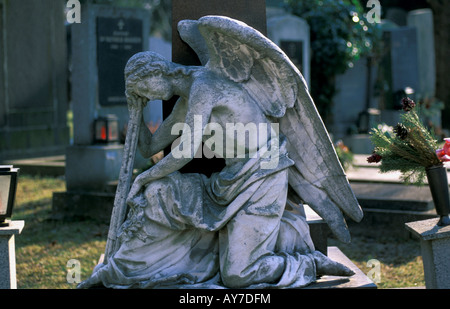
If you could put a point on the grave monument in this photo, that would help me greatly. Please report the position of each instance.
(435, 248)
(176, 221)
(101, 45)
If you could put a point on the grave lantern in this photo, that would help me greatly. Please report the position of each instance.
(106, 130)
(8, 184)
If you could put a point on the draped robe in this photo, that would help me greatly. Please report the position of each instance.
(229, 230)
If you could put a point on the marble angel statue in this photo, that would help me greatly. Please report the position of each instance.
(232, 229)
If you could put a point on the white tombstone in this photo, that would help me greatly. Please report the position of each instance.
(8, 254)
(422, 20)
(292, 35)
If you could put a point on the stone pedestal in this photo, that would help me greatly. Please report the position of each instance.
(8, 254)
(91, 168)
(318, 229)
(435, 247)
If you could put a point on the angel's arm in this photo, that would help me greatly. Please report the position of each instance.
(150, 144)
(197, 116)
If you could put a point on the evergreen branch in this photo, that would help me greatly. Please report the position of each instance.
(410, 150)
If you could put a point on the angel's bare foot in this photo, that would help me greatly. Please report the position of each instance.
(85, 284)
(326, 266)
(91, 282)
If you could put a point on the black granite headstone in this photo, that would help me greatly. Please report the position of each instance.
(294, 50)
(117, 40)
(102, 44)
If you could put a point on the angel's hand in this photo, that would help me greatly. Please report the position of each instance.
(135, 189)
(135, 101)
(139, 183)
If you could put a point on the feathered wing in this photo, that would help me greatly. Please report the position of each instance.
(238, 52)
(317, 176)
(242, 54)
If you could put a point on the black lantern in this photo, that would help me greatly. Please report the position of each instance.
(106, 130)
(8, 184)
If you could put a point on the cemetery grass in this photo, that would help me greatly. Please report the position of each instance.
(397, 254)
(45, 246)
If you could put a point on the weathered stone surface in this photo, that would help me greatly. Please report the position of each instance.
(357, 281)
(435, 248)
(232, 229)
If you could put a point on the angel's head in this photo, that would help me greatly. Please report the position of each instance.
(150, 75)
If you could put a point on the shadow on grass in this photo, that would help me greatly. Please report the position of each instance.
(399, 255)
(379, 242)
(41, 228)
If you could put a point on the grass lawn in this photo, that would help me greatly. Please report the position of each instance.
(400, 260)
(45, 245)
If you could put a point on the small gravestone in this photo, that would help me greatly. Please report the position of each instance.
(355, 108)
(292, 35)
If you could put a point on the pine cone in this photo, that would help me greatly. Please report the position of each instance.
(374, 158)
(408, 104)
(401, 131)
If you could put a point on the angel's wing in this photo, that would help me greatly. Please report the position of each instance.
(244, 55)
